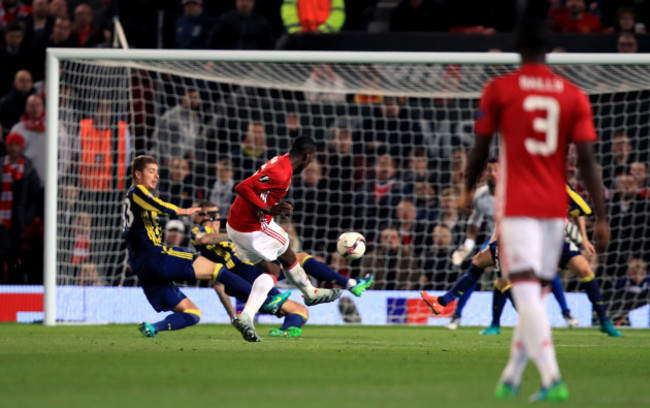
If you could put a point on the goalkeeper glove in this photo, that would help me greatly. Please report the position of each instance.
(459, 255)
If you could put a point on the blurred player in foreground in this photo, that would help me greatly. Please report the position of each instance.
(537, 113)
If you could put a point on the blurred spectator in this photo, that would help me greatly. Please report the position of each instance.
(370, 91)
(89, 274)
(193, 27)
(412, 232)
(375, 201)
(449, 215)
(632, 291)
(82, 228)
(626, 211)
(32, 129)
(100, 169)
(419, 15)
(310, 204)
(175, 233)
(179, 130)
(390, 129)
(627, 43)
(13, 10)
(18, 202)
(88, 33)
(59, 8)
(425, 201)
(14, 56)
(437, 269)
(322, 80)
(179, 189)
(12, 105)
(241, 29)
(307, 16)
(639, 171)
(221, 192)
(38, 26)
(626, 22)
(574, 19)
(252, 153)
(359, 14)
(393, 264)
(620, 159)
(62, 35)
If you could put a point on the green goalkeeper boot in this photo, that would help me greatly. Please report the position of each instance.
(290, 332)
(556, 392)
(362, 285)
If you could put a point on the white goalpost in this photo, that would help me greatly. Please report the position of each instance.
(201, 113)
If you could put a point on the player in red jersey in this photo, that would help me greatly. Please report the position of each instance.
(537, 114)
(261, 240)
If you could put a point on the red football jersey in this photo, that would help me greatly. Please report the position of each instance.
(266, 187)
(538, 113)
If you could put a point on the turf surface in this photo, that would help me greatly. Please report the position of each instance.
(209, 365)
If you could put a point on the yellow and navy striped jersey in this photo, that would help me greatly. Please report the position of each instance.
(141, 228)
(578, 206)
(222, 252)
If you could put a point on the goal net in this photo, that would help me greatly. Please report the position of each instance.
(393, 132)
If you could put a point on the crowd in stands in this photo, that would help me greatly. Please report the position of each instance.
(368, 176)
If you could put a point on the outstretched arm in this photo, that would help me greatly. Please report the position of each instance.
(225, 300)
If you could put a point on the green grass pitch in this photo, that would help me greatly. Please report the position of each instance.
(391, 366)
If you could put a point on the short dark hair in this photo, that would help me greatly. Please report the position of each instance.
(532, 37)
(302, 145)
(205, 204)
(140, 162)
(493, 160)
(14, 26)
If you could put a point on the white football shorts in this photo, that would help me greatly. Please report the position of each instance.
(531, 244)
(257, 246)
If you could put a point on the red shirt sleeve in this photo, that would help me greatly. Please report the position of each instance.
(488, 111)
(269, 177)
(583, 124)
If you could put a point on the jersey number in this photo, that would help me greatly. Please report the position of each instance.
(127, 215)
(547, 125)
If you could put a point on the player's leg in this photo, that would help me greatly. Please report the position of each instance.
(480, 261)
(323, 272)
(579, 265)
(501, 285)
(508, 385)
(296, 316)
(296, 275)
(558, 293)
(169, 297)
(530, 250)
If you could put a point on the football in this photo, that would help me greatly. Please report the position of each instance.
(351, 245)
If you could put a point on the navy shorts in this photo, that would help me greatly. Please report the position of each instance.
(569, 250)
(158, 269)
(163, 297)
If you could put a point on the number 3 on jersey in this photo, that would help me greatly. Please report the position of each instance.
(127, 215)
(547, 125)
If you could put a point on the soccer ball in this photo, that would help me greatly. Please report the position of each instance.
(351, 245)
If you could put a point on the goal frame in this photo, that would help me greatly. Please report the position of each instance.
(56, 55)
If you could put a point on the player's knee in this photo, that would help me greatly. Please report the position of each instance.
(194, 314)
